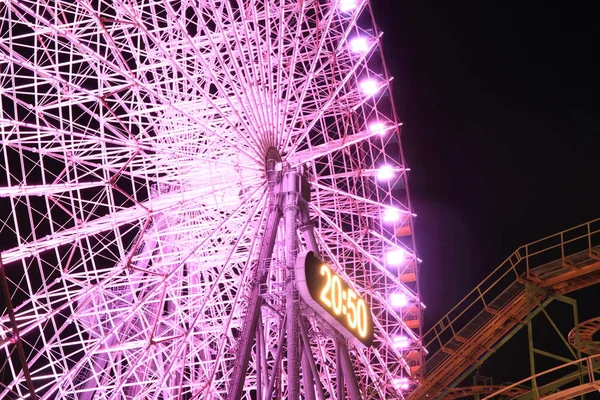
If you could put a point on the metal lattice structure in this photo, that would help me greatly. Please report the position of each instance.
(509, 299)
(145, 150)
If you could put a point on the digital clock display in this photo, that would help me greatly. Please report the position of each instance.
(332, 298)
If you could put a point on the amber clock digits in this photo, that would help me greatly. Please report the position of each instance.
(334, 299)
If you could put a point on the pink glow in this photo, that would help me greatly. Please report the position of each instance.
(391, 215)
(369, 86)
(395, 257)
(401, 383)
(359, 45)
(398, 300)
(401, 342)
(347, 5)
(385, 172)
(377, 127)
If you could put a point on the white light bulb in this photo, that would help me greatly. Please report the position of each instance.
(395, 257)
(401, 342)
(347, 5)
(401, 383)
(391, 215)
(359, 45)
(398, 300)
(385, 172)
(377, 127)
(369, 87)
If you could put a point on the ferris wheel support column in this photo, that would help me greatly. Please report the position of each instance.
(253, 313)
(307, 377)
(310, 359)
(307, 227)
(348, 371)
(291, 187)
(345, 372)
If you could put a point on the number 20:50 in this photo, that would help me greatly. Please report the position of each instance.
(332, 297)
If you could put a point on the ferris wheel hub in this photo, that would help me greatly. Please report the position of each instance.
(272, 157)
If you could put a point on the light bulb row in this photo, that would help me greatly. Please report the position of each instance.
(394, 257)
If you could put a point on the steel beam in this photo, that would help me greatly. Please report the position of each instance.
(311, 360)
(15, 330)
(348, 369)
(291, 187)
(255, 300)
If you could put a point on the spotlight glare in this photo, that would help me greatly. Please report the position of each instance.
(359, 45)
(347, 5)
(401, 383)
(395, 257)
(398, 300)
(369, 87)
(401, 342)
(377, 127)
(386, 172)
(391, 215)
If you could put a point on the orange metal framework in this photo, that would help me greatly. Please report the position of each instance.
(592, 380)
(476, 326)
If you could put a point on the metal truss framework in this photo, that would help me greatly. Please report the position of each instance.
(520, 290)
(145, 248)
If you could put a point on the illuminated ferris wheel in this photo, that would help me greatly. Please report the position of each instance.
(202, 199)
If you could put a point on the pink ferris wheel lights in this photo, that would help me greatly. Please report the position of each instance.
(369, 86)
(401, 342)
(348, 5)
(395, 257)
(398, 300)
(377, 127)
(359, 45)
(391, 215)
(385, 173)
(402, 383)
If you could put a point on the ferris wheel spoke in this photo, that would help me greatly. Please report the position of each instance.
(132, 79)
(99, 225)
(255, 74)
(334, 194)
(315, 61)
(47, 190)
(297, 156)
(214, 79)
(322, 95)
(145, 160)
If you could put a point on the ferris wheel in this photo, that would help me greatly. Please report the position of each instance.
(202, 199)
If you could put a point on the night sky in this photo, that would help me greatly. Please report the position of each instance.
(500, 105)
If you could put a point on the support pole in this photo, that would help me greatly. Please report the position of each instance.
(311, 360)
(259, 357)
(307, 227)
(16, 334)
(278, 356)
(349, 376)
(307, 377)
(341, 392)
(530, 339)
(255, 300)
(262, 360)
(291, 188)
(308, 233)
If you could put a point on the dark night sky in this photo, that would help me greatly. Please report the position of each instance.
(500, 104)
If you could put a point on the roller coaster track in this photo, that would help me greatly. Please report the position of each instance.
(588, 374)
(515, 291)
(587, 329)
(459, 393)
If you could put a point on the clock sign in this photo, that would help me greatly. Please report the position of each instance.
(333, 299)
